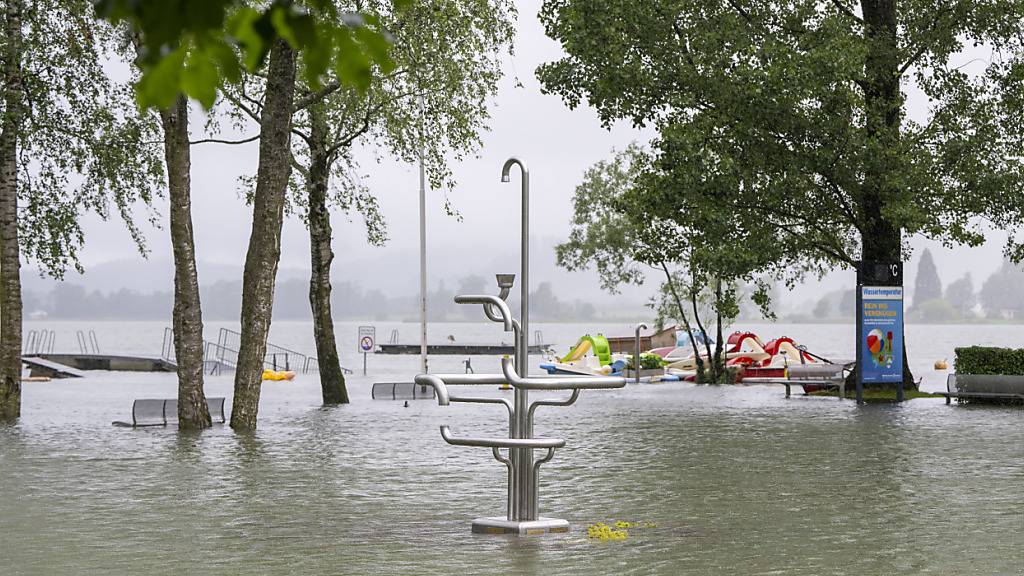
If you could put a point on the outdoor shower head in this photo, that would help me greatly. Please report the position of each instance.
(505, 282)
(508, 167)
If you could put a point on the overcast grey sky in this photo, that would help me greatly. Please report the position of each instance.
(557, 143)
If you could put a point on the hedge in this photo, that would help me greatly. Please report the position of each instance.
(989, 360)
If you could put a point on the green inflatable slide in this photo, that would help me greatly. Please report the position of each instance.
(599, 344)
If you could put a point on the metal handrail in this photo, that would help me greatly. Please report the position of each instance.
(507, 461)
(488, 300)
(471, 379)
(567, 402)
(501, 442)
(439, 388)
(567, 383)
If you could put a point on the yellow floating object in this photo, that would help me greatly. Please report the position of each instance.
(278, 374)
(941, 365)
(602, 531)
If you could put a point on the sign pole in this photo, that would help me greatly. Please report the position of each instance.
(423, 259)
(367, 343)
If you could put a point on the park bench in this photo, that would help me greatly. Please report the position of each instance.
(401, 391)
(984, 387)
(161, 411)
(825, 375)
(815, 376)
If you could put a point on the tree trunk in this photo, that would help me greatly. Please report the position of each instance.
(332, 379)
(719, 340)
(704, 334)
(881, 240)
(10, 262)
(686, 323)
(264, 252)
(193, 411)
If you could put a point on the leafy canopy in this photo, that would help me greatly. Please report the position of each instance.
(195, 47)
(434, 101)
(776, 94)
(83, 146)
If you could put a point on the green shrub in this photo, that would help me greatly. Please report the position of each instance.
(647, 362)
(989, 360)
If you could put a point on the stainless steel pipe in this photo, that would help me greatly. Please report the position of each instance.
(636, 350)
(488, 300)
(446, 433)
(567, 383)
(437, 384)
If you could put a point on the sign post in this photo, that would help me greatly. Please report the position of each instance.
(367, 343)
(879, 326)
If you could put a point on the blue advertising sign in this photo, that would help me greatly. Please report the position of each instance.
(881, 331)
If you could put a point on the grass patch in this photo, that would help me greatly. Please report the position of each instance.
(877, 394)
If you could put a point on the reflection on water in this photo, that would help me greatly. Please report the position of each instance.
(738, 480)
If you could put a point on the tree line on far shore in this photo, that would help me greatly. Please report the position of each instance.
(349, 301)
(998, 298)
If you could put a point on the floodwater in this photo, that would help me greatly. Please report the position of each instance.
(736, 480)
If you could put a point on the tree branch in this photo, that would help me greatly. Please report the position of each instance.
(316, 96)
(845, 10)
(219, 141)
(924, 44)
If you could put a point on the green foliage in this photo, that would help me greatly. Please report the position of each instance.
(765, 111)
(1002, 291)
(647, 362)
(960, 295)
(83, 145)
(195, 47)
(927, 286)
(447, 65)
(989, 360)
(935, 310)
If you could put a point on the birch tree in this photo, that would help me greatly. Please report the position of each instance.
(72, 141)
(446, 65)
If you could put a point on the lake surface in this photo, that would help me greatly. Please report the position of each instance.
(737, 480)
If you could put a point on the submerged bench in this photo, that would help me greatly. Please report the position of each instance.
(984, 387)
(160, 411)
(401, 391)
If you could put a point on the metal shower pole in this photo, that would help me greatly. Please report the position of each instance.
(522, 458)
(636, 350)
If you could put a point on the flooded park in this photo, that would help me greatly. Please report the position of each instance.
(719, 479)
(516, 287)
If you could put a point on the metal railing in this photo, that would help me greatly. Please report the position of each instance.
(87, 342)
(38, 342)
(312, 365)
(275, 358)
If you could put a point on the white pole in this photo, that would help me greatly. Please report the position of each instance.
(423, 260)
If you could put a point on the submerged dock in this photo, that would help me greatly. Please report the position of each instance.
(114, 362)
(460, 349)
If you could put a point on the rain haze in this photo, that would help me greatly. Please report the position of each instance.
(557, 143)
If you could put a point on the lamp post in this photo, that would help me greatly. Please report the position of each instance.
(423, 261)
